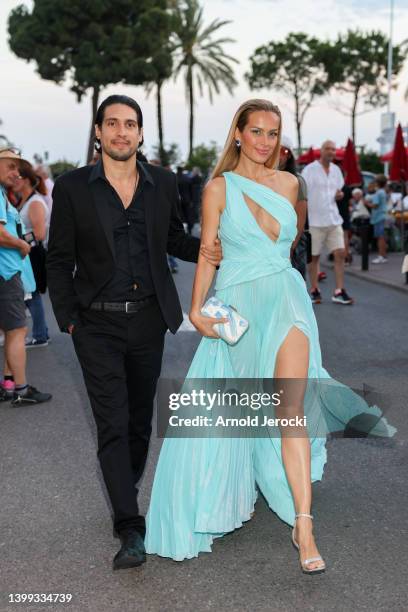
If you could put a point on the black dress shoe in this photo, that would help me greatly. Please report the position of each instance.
(132, 552)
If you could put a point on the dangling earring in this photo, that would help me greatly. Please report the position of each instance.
(238, 143)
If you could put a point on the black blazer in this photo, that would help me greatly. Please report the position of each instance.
(81, 256)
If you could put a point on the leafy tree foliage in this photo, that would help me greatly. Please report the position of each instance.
(92, 42)
(168, 155)
(295, 66)
(370, 161)
(61, 166)
(357, 65)
(204, 157)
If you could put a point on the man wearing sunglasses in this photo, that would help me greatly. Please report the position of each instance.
(13, 250)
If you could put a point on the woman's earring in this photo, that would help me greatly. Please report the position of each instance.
(238, 143)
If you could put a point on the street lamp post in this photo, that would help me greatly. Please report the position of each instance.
(388, 118)
(390, 46)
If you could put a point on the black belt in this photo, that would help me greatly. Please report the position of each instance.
(122, 306)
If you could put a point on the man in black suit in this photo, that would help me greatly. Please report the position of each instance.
(112, 290)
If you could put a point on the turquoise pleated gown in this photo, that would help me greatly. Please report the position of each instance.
(206, 487)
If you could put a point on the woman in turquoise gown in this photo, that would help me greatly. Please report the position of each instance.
(206, 487)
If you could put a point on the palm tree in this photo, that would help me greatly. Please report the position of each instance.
(199, 57)
(161, 64)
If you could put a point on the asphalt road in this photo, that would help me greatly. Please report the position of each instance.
(55, 526)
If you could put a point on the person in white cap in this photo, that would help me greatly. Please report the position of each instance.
(13, 251)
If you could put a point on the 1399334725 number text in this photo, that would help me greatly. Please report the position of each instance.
(40, 598)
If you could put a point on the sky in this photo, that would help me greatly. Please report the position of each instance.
(41, 116)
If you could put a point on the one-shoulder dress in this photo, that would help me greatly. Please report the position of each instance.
(206, 487)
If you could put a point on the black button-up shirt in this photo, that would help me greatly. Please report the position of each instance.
(132, 279)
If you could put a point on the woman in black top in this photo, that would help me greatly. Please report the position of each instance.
(300, 251)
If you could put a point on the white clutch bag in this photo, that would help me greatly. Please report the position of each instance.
(232, 331)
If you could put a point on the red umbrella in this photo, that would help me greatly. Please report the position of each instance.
(399, 162)
(312, 154)
(308, 157)
(388, 156)
(340, 154)
(352, 174)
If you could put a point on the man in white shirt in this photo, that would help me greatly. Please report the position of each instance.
(324, 183)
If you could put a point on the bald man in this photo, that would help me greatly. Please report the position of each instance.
(324, 186)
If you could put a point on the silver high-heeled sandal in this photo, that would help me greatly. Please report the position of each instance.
(304, 564)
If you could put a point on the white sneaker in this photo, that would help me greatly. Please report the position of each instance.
(379, 260)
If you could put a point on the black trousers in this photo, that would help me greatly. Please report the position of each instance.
(120, 355)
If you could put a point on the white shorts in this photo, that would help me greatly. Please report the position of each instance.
(331, 236)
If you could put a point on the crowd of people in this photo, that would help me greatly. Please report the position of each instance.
(24, 219)
(333, 213)
(329, 213)
(102, 255)
(25, 212)
(190, 186)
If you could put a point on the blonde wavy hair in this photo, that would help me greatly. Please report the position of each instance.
(229, 157)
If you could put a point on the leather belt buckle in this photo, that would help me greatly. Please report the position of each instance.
(126, 306)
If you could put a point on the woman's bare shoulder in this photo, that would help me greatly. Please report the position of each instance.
(37, 204)
(288, 178)
(214, 191)
(290, 185)
(216, 186)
